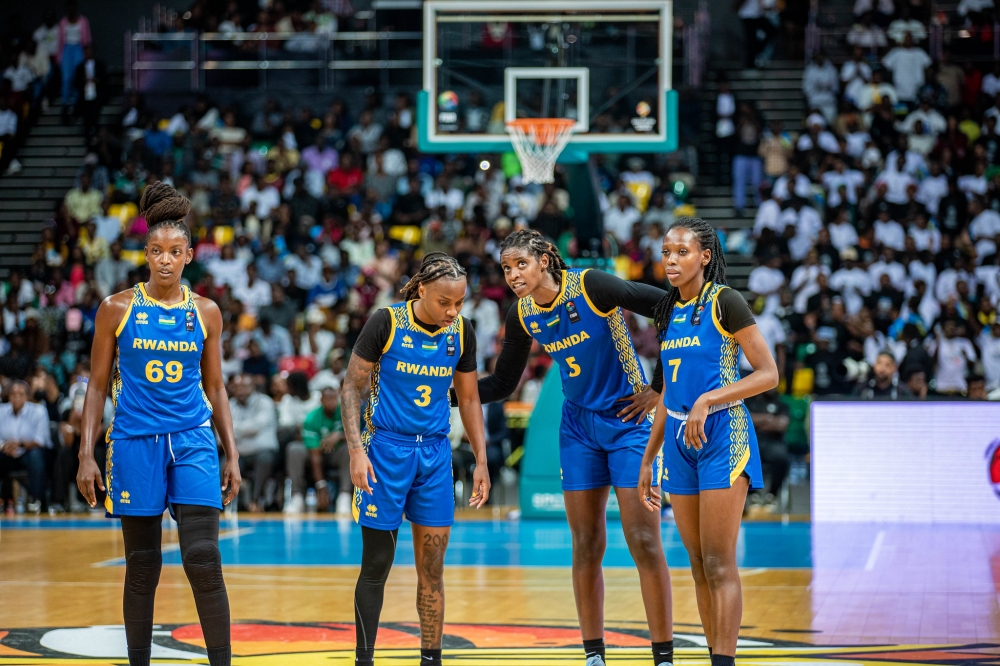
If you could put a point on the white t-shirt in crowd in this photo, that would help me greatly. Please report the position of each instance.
(851, 179)
(954, 355)
(990, 347)
(930, 192)
(768, 217)
(843, 235)
(972, 184)
(896, 185)
(774, 334)
(807, 224)
(928, 238)
(232, 272)
(766, 281)
(307, 273)
(891, 234)
(799, 188)
(895, 270)
(854, 284)
(907, 66)
(619, 222)
(253, 297)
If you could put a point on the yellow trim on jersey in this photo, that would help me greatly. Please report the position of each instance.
(739, 442)
(557, 301)
(520, 316)
(392, 331)
(201, 320)
(128, 313)
(184, 291)
(416, 324)
(461, 336)
(705, 287)
(586, 296)
(108, 504)
(715, 314)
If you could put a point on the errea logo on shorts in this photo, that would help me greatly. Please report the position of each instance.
(407, 342)
(371, 511)
(124, 498)
(141, 318)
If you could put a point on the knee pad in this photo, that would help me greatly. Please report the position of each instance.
(143, 571)
(203, 566)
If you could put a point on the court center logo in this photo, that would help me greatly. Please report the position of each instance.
(257, 643)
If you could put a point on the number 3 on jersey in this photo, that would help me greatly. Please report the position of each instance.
(155, 369)
(425, 396)
(574, 369)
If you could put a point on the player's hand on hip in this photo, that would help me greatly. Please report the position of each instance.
(361, 469)
(231, 479)
(649, 495)
(640, 404)
(480, 485)
(694, 430)
(87, 477)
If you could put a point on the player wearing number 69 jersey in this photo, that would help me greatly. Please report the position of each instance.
(411, 353)
(158, 346)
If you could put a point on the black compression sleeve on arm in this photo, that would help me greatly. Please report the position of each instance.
(608, 292)
(511, 362)
(374, 335)
(467, 363)
(378, 551)
(198, 534)
(734, 313)
(143, 562)
(656, 381)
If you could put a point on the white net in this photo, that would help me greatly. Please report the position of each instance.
(538, 143)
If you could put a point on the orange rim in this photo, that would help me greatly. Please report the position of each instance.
(546, 130)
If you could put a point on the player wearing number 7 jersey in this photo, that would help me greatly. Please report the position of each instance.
(410, 354)
(162, 344)
(576, 316)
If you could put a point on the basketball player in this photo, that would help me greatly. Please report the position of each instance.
(411, 353)
(576, 316)
(710, 455)
(162, 342)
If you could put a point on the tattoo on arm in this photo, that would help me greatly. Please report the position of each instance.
(358, 373)
(430, 590)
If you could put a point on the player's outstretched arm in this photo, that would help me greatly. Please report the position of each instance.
(215, 388)
(471, 409)
(102, 358)
(511, 362)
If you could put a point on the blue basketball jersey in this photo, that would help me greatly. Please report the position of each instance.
(697, 359)
(593, 349)
(410, 382)
(157, 387)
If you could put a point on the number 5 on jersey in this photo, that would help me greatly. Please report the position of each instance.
(425, 396)
(574, 369)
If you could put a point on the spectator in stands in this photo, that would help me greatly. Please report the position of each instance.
(256, 431)
(820, 84)
(8, 132)
(112, 271)
(747, 165)
(74, 35)
(770, 420)
(952, 354)
(884, 383)
(324, 447)
(90, 80)
(293, 408)
(908, 64)
(905, 25)
(84, 202)
(24, 442)
(618, 221)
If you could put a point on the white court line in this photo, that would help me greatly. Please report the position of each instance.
(753, 572)
(876, 549)
(174, 547)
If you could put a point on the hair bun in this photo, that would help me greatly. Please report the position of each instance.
(160, 202)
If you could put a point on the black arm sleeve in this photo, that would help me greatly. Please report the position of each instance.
(511, 362)
(608, 292)
(734, 313)
(374, 335)
(467, 363)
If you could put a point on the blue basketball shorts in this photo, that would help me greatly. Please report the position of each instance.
(597, 450)
(146, 475)
(730, 452)
(414, 478)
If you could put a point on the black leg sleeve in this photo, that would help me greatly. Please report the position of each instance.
(376, 561)
(142, 574)
(198, 532)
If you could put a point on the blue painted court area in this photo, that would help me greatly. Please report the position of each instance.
(499, 543)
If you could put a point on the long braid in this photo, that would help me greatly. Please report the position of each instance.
(435, 266)
(534, 242)
(715, 271)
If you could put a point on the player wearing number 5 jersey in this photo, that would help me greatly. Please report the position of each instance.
(410, 354)
(162, 344)
(576, 316)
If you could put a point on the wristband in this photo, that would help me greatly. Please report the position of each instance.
(321, 484)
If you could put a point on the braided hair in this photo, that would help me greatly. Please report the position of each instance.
(435, 266)
(715, 271)
(535, 243)
(164, 208)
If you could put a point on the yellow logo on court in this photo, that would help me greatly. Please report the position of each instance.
(124, 499)
(141, 318)
(371, 511)
(407, 342)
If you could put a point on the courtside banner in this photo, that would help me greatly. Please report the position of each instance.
(908, 462)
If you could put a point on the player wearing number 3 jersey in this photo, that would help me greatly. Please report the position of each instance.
(411, 353)
(158, 346)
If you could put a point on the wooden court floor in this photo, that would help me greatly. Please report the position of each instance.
(61, 581)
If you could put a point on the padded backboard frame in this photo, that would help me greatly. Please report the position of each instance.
(431, 141)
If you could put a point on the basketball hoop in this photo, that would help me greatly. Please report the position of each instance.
(538, 143)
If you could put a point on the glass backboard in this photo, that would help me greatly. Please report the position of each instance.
(603, 63)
